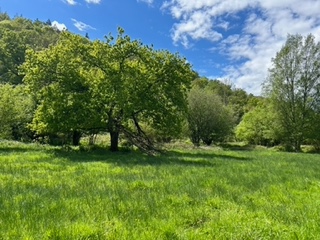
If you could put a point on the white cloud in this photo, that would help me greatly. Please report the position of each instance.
(74, 2)
(264, 32)
(149, 2)
(71, 2)
(93, 1)
(81, 26)
(198, 26)
(223, 24)
(59, 26)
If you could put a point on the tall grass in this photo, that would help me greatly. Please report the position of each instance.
(48, 193)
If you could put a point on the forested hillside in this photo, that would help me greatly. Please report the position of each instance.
(16, 36)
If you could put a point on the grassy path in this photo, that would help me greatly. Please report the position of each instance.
(46, 193)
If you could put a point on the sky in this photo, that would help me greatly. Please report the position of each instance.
(230, 40)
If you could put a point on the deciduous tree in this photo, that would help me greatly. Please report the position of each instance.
(209, 119)
(115, 84)
(16, 109)
(294, 87)
(58, 79)
(138, 84)
(260, 125)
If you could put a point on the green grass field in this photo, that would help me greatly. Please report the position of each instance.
(48, 193)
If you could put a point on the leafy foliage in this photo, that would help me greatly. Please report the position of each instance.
(259, 126)
(57, 78)
(16, 35)
(16, 109)
(235, 98)
(114, 85)
(209, 119)
(294, 87)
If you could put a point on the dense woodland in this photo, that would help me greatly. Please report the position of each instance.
(58, 87)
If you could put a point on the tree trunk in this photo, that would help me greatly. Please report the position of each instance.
(76, 135)
(114, 141)
(297, 146)
(207, 141)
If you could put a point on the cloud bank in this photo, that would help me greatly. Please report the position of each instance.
(263, 30)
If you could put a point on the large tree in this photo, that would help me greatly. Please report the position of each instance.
(209, 119)
(61, 83)
(115, 85)
(140, 85)
(294, 87)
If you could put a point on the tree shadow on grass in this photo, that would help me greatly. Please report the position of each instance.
(23, 149)
(208, 156)
(125, 156)
(237, 147)
(130, 158)
(14, 150)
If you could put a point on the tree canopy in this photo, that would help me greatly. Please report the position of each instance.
(259, 125)
(235, 98)
(16, 109)
(112, 85)
(209, 119)
(294, 87)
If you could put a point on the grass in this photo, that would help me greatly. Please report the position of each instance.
(212, 193)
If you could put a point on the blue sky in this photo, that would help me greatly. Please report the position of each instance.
(230, 40)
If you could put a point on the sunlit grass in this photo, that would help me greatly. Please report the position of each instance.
(49, 193)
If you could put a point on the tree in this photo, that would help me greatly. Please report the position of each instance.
(209, 119)
(235, 98)
(116, 85)
(48, 22)
(15, 111)
(238, 102)
(222, 89)
(313, 134)
(4, 16)
(139, 85)
(259, 125)
(57, 78)
(294, 87)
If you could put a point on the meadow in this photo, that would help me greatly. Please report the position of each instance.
(185, 193)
